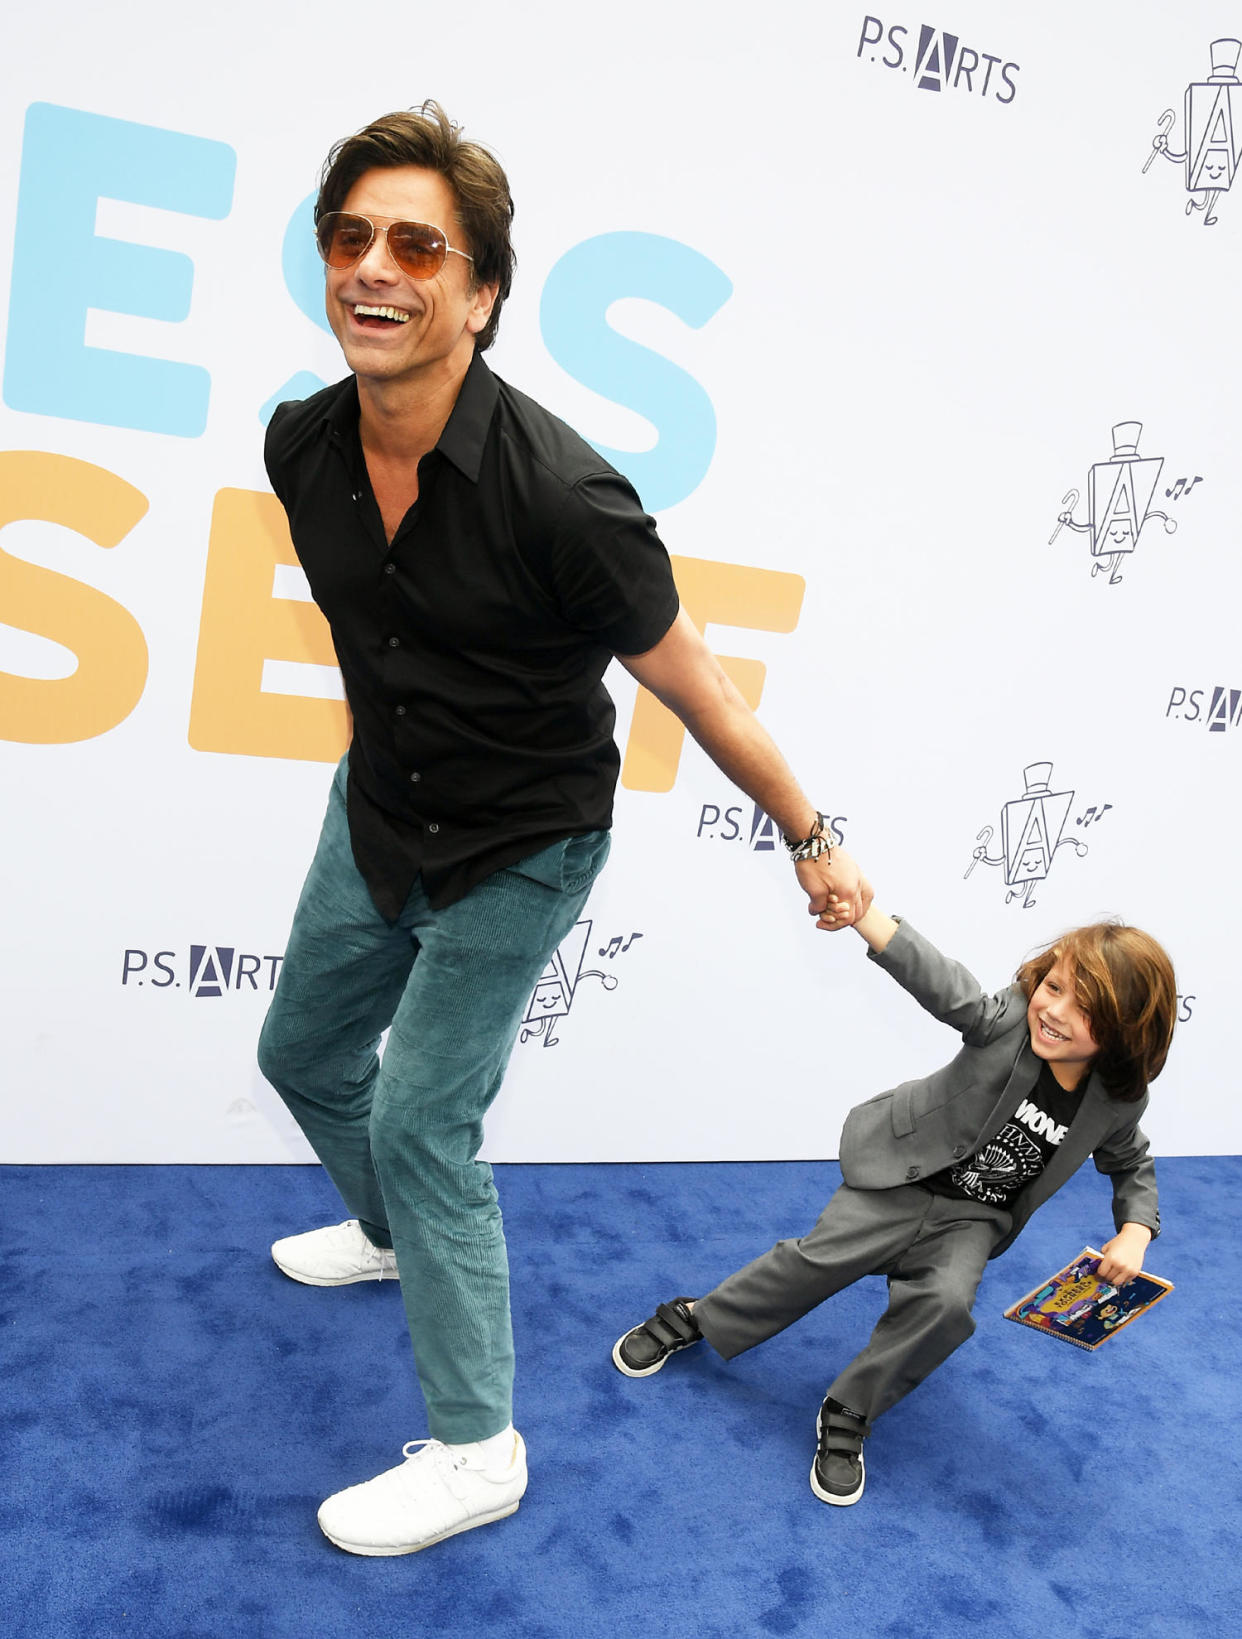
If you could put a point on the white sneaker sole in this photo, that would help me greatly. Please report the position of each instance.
(332, 1280)
(383, 1552)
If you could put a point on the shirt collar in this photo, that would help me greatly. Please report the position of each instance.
(465, 431)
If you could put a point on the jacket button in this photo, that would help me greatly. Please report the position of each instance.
(433, 828)
(911, 1174)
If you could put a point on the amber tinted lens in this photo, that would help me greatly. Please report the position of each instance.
(417, 248)
(343, 238)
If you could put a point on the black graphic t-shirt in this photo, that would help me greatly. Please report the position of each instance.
(999, 1169)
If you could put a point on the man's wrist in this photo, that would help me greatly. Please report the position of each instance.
(817, 844)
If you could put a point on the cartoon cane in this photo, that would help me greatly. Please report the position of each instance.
(1068, 502)
(1160, 143)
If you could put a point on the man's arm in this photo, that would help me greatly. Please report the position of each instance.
(683, 673)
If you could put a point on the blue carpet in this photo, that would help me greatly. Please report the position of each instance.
(174, 1410)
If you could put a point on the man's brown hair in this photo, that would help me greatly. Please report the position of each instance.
(1123, 981)
(427, 137)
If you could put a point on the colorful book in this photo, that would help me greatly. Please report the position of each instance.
(1075, 1304)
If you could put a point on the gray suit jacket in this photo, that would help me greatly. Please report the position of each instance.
(922, 1126)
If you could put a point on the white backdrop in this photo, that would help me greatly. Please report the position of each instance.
(858, 301)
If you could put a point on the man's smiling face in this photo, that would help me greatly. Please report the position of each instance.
(392, 327)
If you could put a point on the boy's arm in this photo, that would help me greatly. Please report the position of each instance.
(876, 928)
(948, 991)
(1126, 1161)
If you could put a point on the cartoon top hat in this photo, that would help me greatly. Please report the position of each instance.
(1126, 436)
(1036, 778)
(1225, 54)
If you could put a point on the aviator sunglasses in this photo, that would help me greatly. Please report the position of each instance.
(417, 248)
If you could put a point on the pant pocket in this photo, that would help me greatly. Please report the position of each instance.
(568, 866)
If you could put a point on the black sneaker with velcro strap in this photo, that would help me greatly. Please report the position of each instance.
(645, 1349)
(838, 1473)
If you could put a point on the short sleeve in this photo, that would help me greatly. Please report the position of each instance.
(610, 572)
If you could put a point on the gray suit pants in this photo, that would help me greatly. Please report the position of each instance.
(933, 1251)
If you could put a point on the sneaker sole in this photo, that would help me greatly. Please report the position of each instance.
(373, 1552)
(334, 1280)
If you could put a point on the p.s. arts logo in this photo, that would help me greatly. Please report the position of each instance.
(1120, 492)
(755, 828)
(1222, 712)
(1211, 130)
(939, 61)
(1032, 829)
(554, 992)
(202, 971)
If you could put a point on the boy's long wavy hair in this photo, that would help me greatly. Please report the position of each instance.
(1124, 983)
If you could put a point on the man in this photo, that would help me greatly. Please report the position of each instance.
(480, 566)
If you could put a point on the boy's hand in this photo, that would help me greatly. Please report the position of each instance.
(1123, 1255)
(838, 891)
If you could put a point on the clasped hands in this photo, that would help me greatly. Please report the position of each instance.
(838, 891)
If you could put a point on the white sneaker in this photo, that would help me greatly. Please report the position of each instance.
(436, 1492)
(334, 1257)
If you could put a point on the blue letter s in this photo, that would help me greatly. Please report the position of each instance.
(573, 316)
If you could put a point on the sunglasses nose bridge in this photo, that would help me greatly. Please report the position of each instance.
(378, 256)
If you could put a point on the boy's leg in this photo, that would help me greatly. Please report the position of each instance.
(343, 974)
(860, 1232)
(932, 1289)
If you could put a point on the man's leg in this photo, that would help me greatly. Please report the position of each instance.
(451, 1037)
(343, 974)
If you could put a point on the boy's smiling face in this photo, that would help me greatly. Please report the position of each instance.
(1060, 1030)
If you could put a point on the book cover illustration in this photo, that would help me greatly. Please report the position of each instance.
(1076, 1305)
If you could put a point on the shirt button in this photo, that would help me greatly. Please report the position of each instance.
(433, 828)
(398, 711)
(959, 1151)
(911, 1174)
(415, 777)
(394, 642)
(390, 569)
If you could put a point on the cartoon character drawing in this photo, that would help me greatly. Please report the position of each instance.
(1119, 493)
(1213, 121)
(553, 994)
(1031, 827)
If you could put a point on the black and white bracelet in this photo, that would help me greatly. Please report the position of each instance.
(816, 846)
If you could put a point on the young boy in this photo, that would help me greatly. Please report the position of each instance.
(941, 1174)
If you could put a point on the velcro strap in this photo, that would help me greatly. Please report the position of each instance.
(670, 1324)
(843, 1433)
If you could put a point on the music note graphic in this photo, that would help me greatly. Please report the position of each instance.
(1176, 491)
(615, 945)
(1195, 480)
(1093, 813)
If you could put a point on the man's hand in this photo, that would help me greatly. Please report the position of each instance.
(838, 891)
(1123, 1256)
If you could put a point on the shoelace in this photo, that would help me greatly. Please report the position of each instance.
(432, 1449)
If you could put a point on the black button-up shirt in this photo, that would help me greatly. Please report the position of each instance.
(473, 647)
